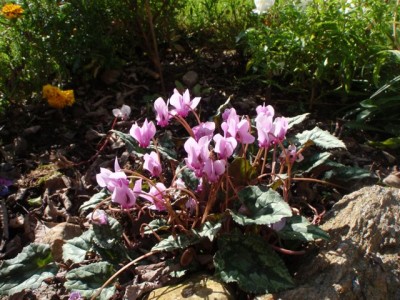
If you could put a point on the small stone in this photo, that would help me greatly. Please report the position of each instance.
(57, 235)
(392, 180)
(31, 130)
(190, 78)
(197, 287)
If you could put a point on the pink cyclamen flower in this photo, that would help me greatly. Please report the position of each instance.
(264, 127)
(214, 169)
(156, 197)
(231, 119)
(292, 154)
(98, 217)
(265, 110)
(204, 129)
(242, 134)
(182, 103)
(191, 205)
(236, 128)
(118, 184)
(162, 113)
(125, 196)
(198, 153)
(122, 113)
(75, 296)
(143, 134)
(224, 146)
(152, 164)
(279, 129)
(229, 113)
(104, 177)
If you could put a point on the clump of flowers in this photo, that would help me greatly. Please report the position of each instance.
(58, 98)
(230, 181)
(12, 11)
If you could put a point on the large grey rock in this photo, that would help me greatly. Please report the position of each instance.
(361, 261)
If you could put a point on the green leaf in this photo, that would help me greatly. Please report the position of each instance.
(249, 261)
(35, 202)
(321, 138)
(27, 270)
(105, 236)
(296, 120)
(242, 170)
(166, 147)
(391, 143)
(180, 241)
(317, 160)
(87, 279)
(115, 255)
(298, 228)
(221, 109)
(345, 173)
(75, 249)
(94, 200)
(130, 143)
(189, 178)
(179, 85)
(210, 230)
(156, 225)
(261, 206)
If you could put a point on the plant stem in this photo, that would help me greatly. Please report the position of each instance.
(287, 251)
(121, 270)
(155, 45)
(319, 181)
(211, 200)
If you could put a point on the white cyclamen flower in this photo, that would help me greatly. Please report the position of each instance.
(122, 112)
(262, 6)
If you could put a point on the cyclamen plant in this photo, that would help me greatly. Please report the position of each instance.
(240, 171)
(223, 198)
(207, 154)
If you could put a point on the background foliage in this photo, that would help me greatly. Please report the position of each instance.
(338, 51)
(321, 46)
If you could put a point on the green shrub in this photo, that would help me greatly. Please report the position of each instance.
(320, 46)
(57, 41)
(216, 23)
(379, 115)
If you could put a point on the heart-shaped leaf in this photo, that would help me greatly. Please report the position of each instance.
(249, 261)
(298, 228)
(261, 206)
(76, 249)
(87, 279)
(105, 236)
(27, 270)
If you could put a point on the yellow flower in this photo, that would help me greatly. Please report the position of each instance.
(58, 98)
(12, 11)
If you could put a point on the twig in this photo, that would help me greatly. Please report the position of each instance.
(287, 251)
(121, 270)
